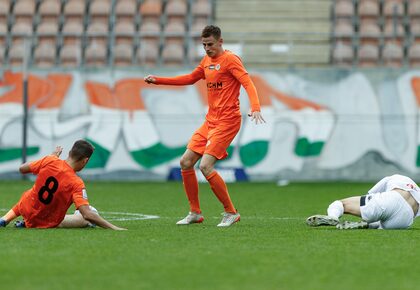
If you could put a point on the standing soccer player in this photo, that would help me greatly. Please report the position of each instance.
(56, 187)
(224, 74)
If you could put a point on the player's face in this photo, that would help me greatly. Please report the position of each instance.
(212, 46)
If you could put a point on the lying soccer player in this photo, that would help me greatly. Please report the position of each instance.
(392, 203)
(56, 187)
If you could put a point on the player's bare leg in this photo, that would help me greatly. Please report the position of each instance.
(7, 218)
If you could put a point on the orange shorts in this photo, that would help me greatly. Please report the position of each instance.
(214, 139)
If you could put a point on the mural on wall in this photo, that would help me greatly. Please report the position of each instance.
(145, 128)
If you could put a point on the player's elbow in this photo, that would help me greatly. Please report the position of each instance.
(24, 168)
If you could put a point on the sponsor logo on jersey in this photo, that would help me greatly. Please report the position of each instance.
(217, 85)
(84, 193)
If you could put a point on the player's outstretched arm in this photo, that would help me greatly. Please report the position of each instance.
(95, 218)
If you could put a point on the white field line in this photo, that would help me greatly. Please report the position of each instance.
(130, 216)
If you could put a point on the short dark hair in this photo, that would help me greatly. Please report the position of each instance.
(81, 149)
(211, 30)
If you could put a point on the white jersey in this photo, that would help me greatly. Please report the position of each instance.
(397, 181)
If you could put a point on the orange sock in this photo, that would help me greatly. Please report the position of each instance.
(191, 189)
(220, 190)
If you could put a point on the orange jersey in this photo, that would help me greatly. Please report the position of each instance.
(224, 76)
(56, 187)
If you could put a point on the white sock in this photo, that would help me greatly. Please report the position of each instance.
(336, 209)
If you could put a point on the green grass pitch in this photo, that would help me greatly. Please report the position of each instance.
(271, 248)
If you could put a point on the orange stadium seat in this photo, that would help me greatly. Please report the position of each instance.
(394, 29)
(96, 55)
(125, 10)
(343, 29)
(369, 8)
(4, 10)
(75, 10)
(44, 55)
(369, 29)
(393, 54)
(100, 10)
(47, 32)
(98, 32)
(72, 32)
(123, 55)
(343, 54)
(201, 9)
(49, 10)
(344, 9)
(393, 8)
(173, 54)
(24, 10)
(70, 55)
(21, 30)
(368, 55)
(150, 29)
(174, 31)
(176, 9)
(414, 54)
(151, 9)
(414, 8)
(124, 32)
(148, 52)
(16, 54)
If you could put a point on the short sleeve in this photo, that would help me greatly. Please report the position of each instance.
(80, 195)
(36, 166)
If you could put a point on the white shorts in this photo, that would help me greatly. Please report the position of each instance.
(389, 208)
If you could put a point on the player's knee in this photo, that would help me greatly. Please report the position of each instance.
(186, 163)
(206, 169)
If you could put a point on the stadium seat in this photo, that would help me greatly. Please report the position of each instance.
(96, 55)
(368, 55)
(195, 51)
(24, 10)
(74, 10)
(16, 54)
(98, 32)
(100, 11)
(21, 30)
(123, 55)
(344, 9)
(150, 28)
(414, 55)
(125, 10)
(343, 54)
(72, 32)
(414, 8)
(124, 32)
(148, 52)
(4, 10)
(369, 29)
(415, 27)
(369, 8)
(70, 55)
(151, 9)
(394, 29)
(47, 32)
(49, 10)
(176, 9)
(173, 54)
(201, 9)
(174, 31)
(393, 54)
(393, 8)
(343, 29)
(44, 55)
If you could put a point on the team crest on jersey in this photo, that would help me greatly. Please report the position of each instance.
(217, 67)
(84, 193)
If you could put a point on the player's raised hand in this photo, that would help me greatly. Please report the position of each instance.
(150, 79)
(57, 151)
(257, 117)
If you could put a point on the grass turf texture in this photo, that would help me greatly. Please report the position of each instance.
(271, 248)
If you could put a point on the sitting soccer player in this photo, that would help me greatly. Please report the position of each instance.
(56, 187)
(392, 203)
